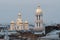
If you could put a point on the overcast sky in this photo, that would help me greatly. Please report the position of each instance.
(9, 10)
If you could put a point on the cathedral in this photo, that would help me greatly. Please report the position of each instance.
(20, 25)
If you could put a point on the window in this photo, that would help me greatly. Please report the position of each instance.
(39, 17)
(39, 24)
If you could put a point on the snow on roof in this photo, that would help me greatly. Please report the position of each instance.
(52, 35)
(54, 32)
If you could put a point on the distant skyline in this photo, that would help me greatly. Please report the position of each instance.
(9, 10)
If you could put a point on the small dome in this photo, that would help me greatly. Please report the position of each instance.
(19, 14)
(12, 22)
(26, 21)
(38, 10)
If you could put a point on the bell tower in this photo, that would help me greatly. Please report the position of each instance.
(39, 20)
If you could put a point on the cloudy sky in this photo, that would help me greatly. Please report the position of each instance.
(9, 10)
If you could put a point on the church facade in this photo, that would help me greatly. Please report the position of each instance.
(19, 24)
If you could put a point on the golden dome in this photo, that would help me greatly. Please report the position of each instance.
(38, 10)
